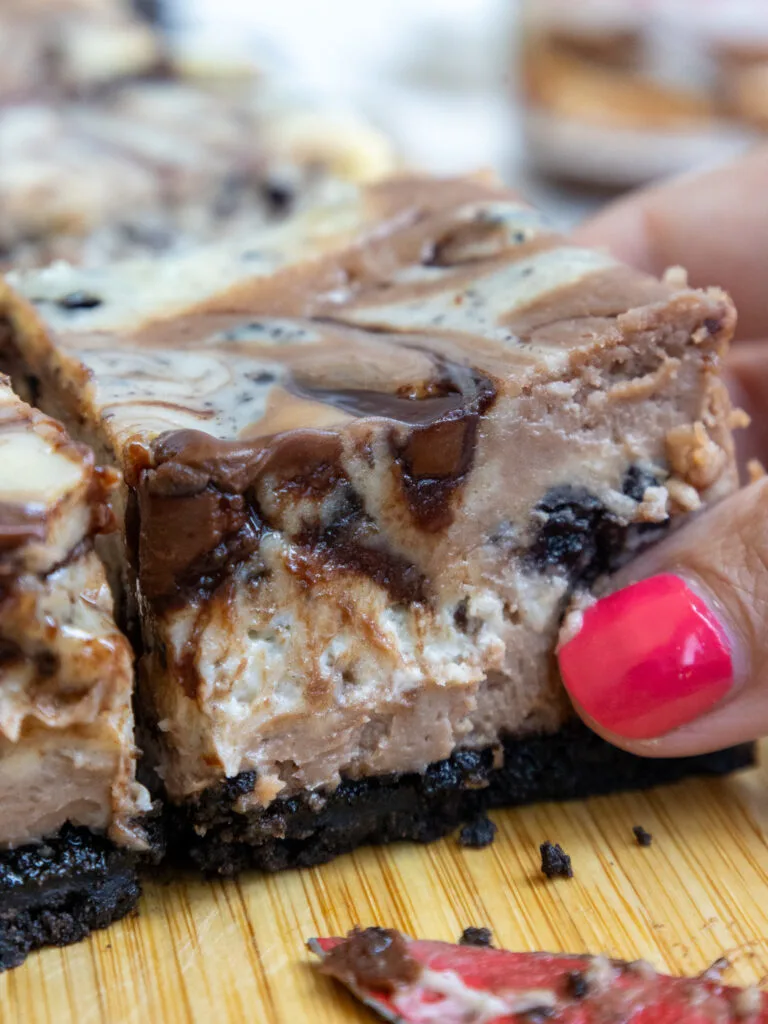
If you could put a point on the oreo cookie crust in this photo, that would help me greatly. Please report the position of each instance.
(56, 892)
(217, 835)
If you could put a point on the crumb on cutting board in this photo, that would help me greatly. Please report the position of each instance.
(478, 833)
(555, 862)
(477, 937)
(643, 838)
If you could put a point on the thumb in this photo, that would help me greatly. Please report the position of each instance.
(675, 660)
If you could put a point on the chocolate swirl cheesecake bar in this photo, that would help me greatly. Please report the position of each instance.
(153, 166)
(52, 49)
(69, 802)
(370, 455)
(109, 149)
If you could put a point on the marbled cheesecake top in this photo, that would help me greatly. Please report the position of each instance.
(406, 301)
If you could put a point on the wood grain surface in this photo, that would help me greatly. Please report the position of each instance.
(222, 952)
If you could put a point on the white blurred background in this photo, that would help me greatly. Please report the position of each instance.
(440, 77)
(412, 66)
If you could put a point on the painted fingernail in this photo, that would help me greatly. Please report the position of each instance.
(648, 659)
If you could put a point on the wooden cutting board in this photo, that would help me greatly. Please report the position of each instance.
(223, 952)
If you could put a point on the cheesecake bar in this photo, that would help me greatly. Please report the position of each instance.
(69, 802)
(156, 165)
(109, 150)
(56, 48)
(370, 455)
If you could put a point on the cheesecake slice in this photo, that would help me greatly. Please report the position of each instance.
(109, 150)
(155, 166)
(370, 455)
(69, 802)
(56, 48)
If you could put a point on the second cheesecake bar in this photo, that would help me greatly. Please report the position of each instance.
(370, 455)
(72, 817)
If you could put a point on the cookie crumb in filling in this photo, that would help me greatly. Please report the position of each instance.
(576, 985)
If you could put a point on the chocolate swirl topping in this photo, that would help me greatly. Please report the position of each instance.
(199, 511)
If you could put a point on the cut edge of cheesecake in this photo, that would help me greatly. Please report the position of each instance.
(369, 460)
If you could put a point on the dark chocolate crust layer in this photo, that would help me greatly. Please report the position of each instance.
(57, 892)
(298, 832)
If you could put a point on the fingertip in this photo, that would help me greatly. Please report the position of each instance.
(623, 229)
(715, 224)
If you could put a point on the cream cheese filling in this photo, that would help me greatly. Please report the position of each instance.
(59, 775)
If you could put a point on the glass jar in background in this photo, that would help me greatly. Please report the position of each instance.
(616, 93)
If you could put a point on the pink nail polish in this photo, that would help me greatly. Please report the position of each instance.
(648, 659)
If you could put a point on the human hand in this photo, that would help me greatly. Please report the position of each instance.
(675, 661)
